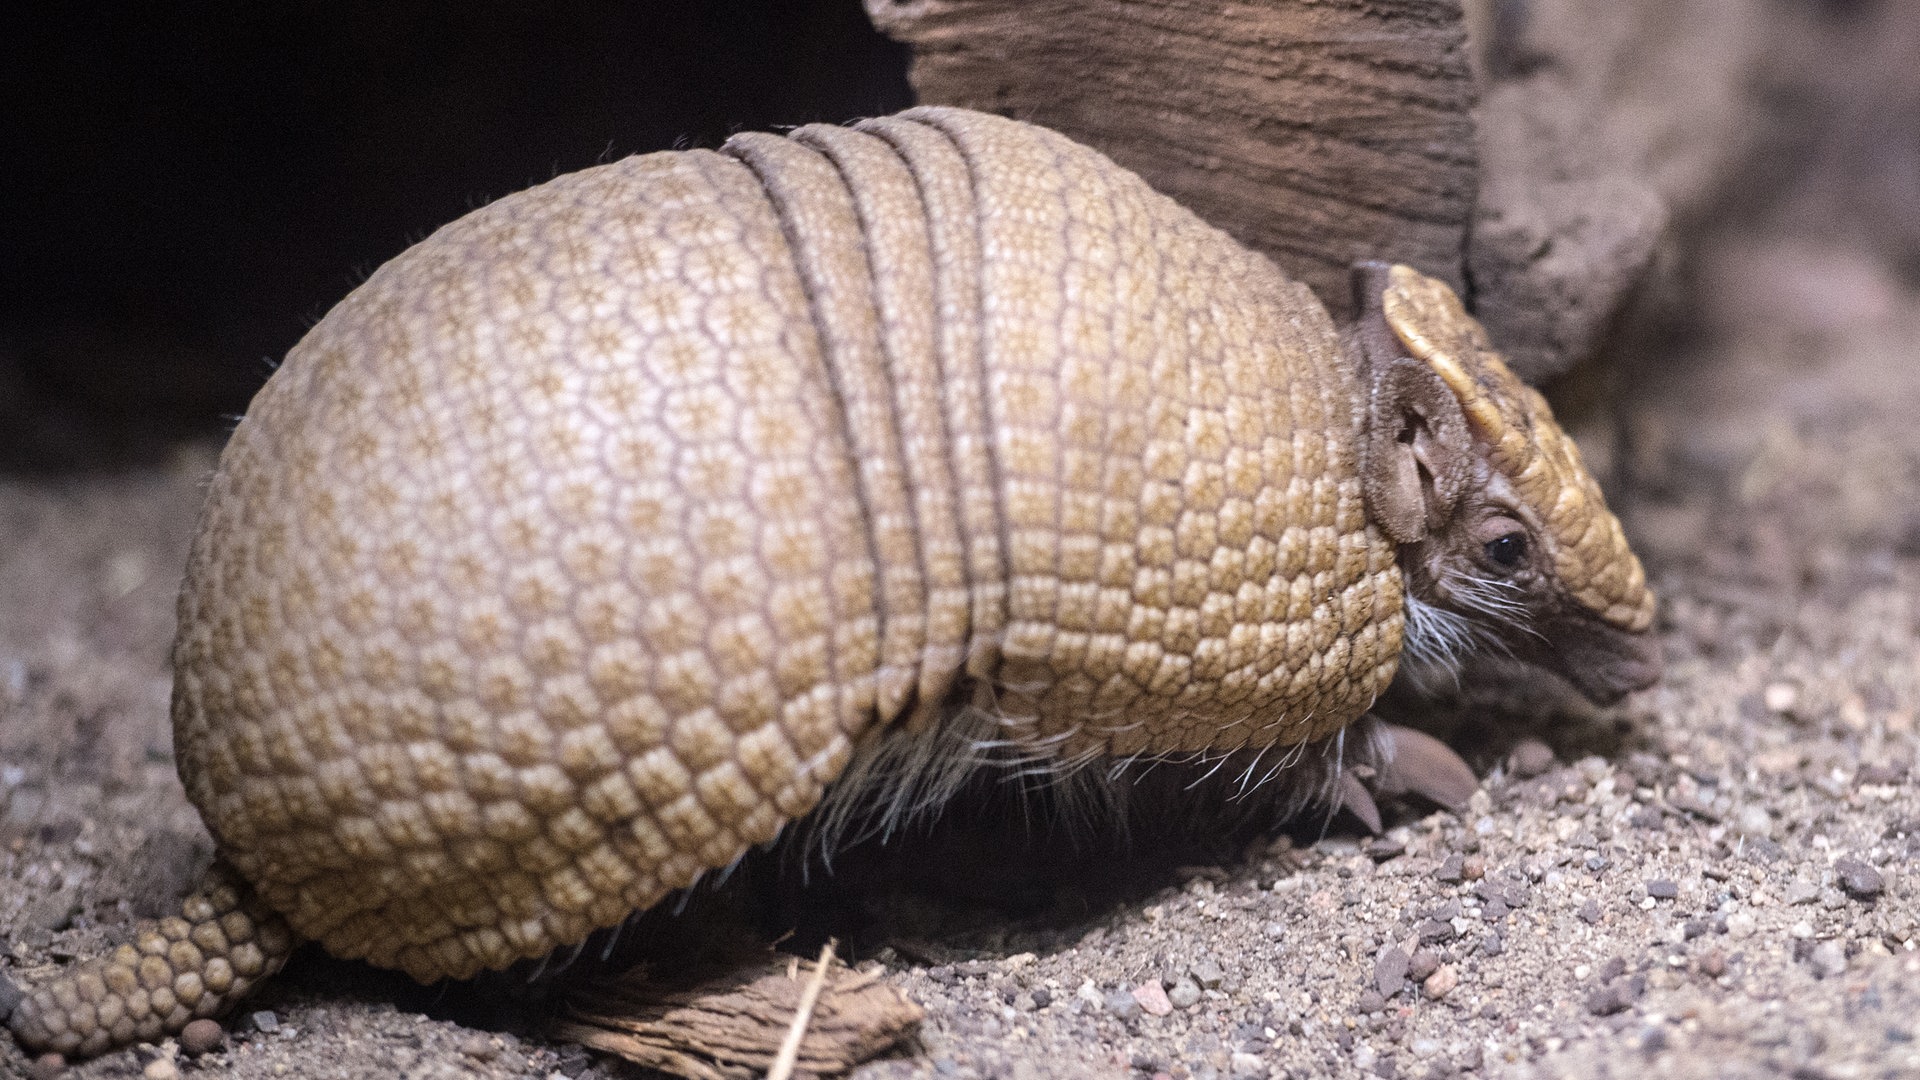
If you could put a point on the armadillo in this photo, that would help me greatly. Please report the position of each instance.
(590, 541)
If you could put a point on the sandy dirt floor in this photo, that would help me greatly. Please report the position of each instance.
(1713, 880)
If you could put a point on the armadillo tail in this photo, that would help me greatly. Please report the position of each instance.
(223, 943)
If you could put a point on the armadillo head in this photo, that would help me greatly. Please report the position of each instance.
(1505, 536)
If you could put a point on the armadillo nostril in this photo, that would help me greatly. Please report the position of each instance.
(1651, 667)
(1623, 664)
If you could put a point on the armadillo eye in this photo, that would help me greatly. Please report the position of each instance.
(1507, 551)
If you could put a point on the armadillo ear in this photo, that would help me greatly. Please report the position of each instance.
(1416, 455)
(1415, 452)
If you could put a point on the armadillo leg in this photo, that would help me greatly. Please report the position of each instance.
(195, 964)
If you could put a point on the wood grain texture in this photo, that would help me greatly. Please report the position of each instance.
(730, 1026)
(1547, 176)
(1317, 133)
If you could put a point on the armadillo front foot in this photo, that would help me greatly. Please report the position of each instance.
(1396, 760)
(181, 968)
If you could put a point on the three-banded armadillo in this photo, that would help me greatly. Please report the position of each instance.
(583, 546)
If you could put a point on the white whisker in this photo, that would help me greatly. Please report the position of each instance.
(1499, 601)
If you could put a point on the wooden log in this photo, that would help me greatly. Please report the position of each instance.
(1320, 133)
(1325, 131)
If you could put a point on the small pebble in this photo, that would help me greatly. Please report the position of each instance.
(1590, 912)
(202, 1036)
(1530, 758)
(1370, 1001)
(1877, 774)
(1653, 1039)
(1245, 1064)
(1452, 869)
(1753, 820)
(1713, 964)
(1688, 803)
(1424, 1047)
(1829, 959)
(1381, 849)
(1389, 971)
(1207, 974)
(1442, 982)
(1125, 1006)
(10, 995)
(1858, 878)
(1422, 964)
(160, 1068)
(265, 1021)
(1153, 998)
(1742, 924)
(1607, 1000)
(1474, 868)
(46, 1067)
(1801, 892)
(1042, 997)
(1184, 994)
(1662, 889)
(1781, 696)
(479, 1047)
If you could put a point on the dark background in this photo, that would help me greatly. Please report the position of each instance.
(190, 186)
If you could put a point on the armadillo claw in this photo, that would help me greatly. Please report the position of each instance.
(179, 969)
(1351, 795)
(1416, 763)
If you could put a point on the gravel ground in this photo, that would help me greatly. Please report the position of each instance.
(1713, 880)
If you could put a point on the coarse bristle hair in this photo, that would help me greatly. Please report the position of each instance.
(904, 778)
